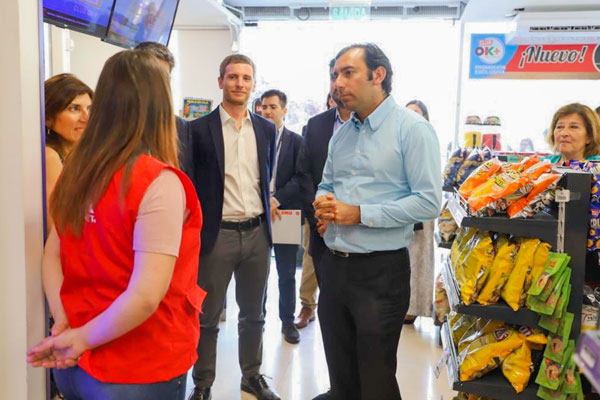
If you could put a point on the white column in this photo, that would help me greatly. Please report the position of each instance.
(21, 231)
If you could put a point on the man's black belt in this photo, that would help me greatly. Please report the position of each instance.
(244, 225)
(343, 254)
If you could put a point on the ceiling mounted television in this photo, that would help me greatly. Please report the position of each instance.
(87, 16)
(137, 21)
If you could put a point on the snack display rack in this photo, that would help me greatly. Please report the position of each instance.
(566, 232)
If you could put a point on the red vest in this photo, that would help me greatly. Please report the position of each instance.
(97, 268)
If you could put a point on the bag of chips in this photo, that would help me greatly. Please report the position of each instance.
(460, 244)
(540, 197)
(555, 350)
(502, 266)
(544, 282)
(479, 176)
(572, 382)
(563, 301)
(547, 394)
(551, 373)
(480, 328)
(535, 338)
(441, 305)
(589, 317)
(536, 170)
(540, 258)
(475, 269)
(547, 307)
(474, 160)
(460, 326)
(524, 164)
(446, 225)
(487, 353)
(483, 200)
(513, 291)
(517, 367)
(454, 163)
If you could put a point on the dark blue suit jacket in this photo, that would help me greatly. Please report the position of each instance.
(205, 148)
(313, 154)
(287, 188)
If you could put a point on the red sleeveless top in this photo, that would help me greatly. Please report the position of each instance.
(97, 268)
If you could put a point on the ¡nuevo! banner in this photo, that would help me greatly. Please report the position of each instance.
(491, 57)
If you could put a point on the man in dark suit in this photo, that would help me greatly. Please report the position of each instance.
(285, 195)
(318, 130)
(233, 153)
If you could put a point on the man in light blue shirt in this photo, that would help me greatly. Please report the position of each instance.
(382, 176)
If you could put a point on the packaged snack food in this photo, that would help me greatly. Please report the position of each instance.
(556, 347)
(460, 244)
(502, 266)
(551, 372)
(446, 225)
(517, 367)
(475, 268)
(524, 164)
(498, 192)
(589, 317)
(564, 327)
(513, 291)
(563, 301)
(480, 328)
(540, 197)
(547, 394)
(533, 336)
(479, 176)
(572, 382)
(555, 264)
(540, 258)
(472, 161)
(460, 326)
(537, 169)
(441, 305)
(487, 352)
(454, 163)
(547, 307)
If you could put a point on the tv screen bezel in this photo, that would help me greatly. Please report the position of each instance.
(107, 40)
(76, 28)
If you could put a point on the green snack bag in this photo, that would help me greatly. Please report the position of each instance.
(566, 322)
(549, 323)
(556, 347)
(552, 373)
(556, 262)
(547, 394)
(572, 382)
(563, 301)
(547, 307)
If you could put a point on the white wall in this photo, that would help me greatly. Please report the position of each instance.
(21, 231)
(198, 54)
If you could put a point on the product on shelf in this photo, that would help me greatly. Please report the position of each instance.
(497, 194)
(554, 266)
(472, 273)
(460, 243)
(517, 367)
(446, 225)
(475, 158)
(473, 120)
(459, 325)
(504, 262)
(478, 328)
(589, 317)
(492, 120)
(472, 139)
(441, 304)
(515, 290)
(552, 373)
(548, 306)
(479, 176)
(454, 163)
(537, 199)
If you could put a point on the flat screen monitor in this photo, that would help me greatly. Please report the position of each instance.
(137, 21)
(87, 16)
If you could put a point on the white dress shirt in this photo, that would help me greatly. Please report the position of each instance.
(242, 197)
(278, 141)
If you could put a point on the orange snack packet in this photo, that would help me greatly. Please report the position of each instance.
(500, 186)
(536, 199)
(481, 175)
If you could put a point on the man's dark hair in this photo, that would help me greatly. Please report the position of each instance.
(374, 57)
(159, 51)
(332, 63)
(274, 92)
(597, 110)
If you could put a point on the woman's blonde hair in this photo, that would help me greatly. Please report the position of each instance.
(131, 115)
(591, 122)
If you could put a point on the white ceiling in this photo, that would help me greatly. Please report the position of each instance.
(496, 10)
(202, 14)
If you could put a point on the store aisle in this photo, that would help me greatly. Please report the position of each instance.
(299, 371)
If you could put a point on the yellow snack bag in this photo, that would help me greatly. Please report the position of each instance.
(517, 367)
(514, 292)
(476, 268)
(479, 328)
(459, 265)
(542, 253)
(502, 266)
(487, 353)
(460, 327)
(535, 338)
(460, 243)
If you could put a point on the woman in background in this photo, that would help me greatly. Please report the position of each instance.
(421, 253)
(67, 103)
(121, 262)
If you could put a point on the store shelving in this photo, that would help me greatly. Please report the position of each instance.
(566, 233)
(493, 384)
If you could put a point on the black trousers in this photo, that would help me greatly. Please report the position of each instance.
(362, 306)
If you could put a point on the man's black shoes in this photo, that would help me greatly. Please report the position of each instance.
(257, 385)
(290, 332)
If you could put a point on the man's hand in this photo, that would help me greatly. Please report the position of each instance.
(329, 209)
(322, 227)
(275, 209)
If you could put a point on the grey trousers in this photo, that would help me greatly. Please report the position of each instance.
(245, 254)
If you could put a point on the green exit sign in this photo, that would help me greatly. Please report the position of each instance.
(349, 12)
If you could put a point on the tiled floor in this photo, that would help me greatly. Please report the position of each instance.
(299, 372)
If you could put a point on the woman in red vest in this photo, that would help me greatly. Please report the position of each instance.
(121, 263)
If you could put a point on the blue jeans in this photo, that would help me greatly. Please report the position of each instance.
(76, 384)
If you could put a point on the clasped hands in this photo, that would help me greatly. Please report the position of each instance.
(60, 350)
(329, 209)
